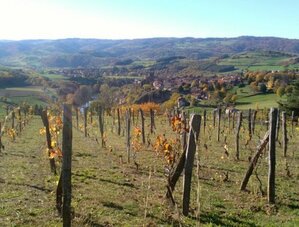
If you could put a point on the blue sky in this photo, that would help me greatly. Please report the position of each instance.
(121, 19)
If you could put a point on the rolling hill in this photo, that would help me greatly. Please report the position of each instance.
(74, 53)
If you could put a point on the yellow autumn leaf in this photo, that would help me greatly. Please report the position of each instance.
(53, 143)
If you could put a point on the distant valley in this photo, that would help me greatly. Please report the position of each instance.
(139, 55)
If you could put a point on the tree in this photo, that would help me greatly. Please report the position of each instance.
(82, 95)
(280, 91)
(234, 98)
(253, 86)
(263, 88)
(107, 97)
(172, 102)
(227, 98)
(194, 83)
(288, 89)
(292, 101)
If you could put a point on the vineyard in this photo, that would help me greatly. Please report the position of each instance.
(141, 166)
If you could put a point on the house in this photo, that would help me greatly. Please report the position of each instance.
(158, 84)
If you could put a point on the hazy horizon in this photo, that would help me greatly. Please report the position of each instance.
(186, 37)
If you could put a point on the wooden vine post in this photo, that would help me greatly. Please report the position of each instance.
(128, 128)
(214, 118)
(77, 118)
(13, 116)
(204, 121)
(91, 119)
(190, 153)
(48, 136)
(253, 119)
(218, 123)
(184, 131)
(284, 134)
(67, 164)
(118, 122)
(0, 136)
(237, 140)
(101, 125)
(142, 125)
(272, 155)
(229, 119)
(20, 119)
(278, 125)
(249, 124)
(25, 117)
(152, 118)
(85, 121)
(293, 119)
(233, 119)
(133, 115)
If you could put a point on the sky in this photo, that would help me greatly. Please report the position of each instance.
(129, 19)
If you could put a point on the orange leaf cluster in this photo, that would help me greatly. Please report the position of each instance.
(146, 107)
(54, 152)
(12, 133)
(164, 147)
(136, 142)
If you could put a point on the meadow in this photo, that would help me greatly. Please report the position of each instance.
(260, 61)
(31, 95)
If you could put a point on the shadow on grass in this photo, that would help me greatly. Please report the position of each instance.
(118, 207)
(118, 183)
(219, 168)
(28, 185)
(293, 206)
(89, 221)
(78, 154)
(217, 219)
(112, 205)
(86, 176)
(242, 103)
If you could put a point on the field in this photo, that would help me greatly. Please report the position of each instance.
(259, 61)
(32, 95)
(258, 101)
(249, 99)
(108, 191)
(53, 76)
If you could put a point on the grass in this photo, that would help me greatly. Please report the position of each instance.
(108, 191)
(249, 99)
(32, 95)
(260, 101)
(54, 76)
(259, 61)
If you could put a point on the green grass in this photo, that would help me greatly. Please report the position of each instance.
(2, 110)
(249, 99)
(29, 89)
(108, 191)
(258, 61)
(32, 95)
(54, 76)
(266, 68)
(261, 101)
(31, 100)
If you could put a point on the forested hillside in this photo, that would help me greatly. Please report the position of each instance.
(97, 52)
